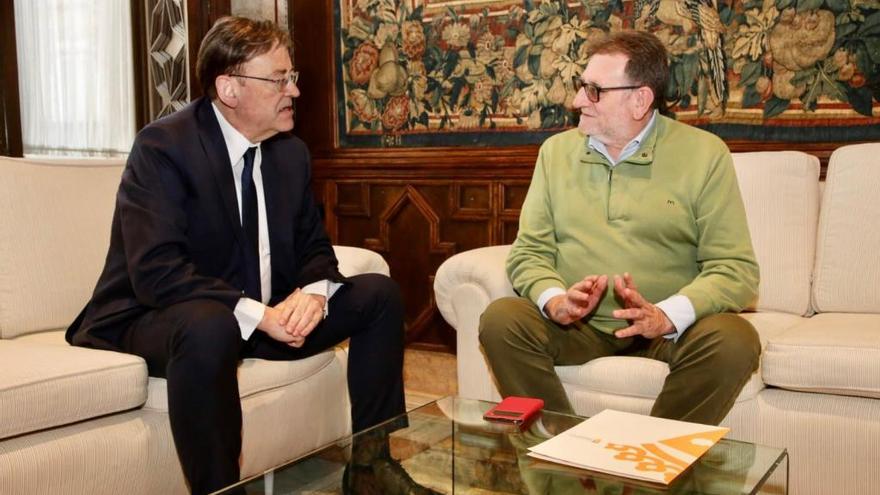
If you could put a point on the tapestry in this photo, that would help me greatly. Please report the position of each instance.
(499, 72)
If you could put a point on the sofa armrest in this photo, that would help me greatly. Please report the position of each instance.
(356, 261)
(464, 286)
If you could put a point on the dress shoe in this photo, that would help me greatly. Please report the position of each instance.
(382, 477)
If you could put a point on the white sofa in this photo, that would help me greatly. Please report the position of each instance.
(75, 420)
(817, 392)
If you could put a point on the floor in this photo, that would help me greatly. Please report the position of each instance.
(428, 376)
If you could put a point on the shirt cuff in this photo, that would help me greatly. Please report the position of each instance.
(546, 296)
(249, 313)
(681, 313)
(324, 288)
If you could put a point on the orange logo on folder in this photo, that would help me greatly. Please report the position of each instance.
(646, 448)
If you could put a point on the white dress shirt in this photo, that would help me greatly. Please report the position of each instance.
(678, 308)
(249, 312)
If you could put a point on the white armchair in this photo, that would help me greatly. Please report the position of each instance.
(355, 261)
(465, 285)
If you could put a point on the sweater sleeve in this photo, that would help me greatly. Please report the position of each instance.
(531, 264)
(728, 277)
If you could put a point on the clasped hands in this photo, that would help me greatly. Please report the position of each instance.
(294, 318)
(582, 297)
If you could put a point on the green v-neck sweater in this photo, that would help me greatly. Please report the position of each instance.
(671, 215)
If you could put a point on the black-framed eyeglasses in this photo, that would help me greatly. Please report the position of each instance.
(291, 78)
(593, 91)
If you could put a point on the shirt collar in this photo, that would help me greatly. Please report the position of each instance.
(236, 143)
(630, 147)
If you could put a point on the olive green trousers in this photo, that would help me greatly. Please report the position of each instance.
(708, 365)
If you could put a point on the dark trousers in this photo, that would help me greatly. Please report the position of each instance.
(197, 346)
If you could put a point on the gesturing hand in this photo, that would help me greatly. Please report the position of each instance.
(645, 318)
(578, 301)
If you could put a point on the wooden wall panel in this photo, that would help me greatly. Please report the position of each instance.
(416, 224)
(10, 109)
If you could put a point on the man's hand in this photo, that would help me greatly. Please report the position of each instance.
(301, 312)
(578, 301)
(645, 319)
(270, 324)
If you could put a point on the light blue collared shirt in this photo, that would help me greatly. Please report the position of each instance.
(628, 150)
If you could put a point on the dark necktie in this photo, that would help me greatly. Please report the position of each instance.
(250, 223)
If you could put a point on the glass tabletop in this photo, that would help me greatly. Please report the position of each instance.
(446, 447)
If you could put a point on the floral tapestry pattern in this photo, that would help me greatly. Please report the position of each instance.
(495, 72)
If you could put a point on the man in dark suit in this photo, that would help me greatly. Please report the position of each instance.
(218, 252)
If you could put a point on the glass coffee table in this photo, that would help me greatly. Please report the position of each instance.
(446, 447)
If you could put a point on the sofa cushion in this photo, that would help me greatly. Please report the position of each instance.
(780, 190)
(833, 353)
(54, 232)
(632, 377)
(638, 377)
(52, 337)
(43, 386)
(255, 376)
(847, 265)
(769, 324)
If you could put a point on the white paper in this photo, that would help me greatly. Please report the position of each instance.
(631, 445)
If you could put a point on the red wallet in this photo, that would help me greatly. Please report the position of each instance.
(515, 410)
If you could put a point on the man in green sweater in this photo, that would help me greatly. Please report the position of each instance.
(632, 241)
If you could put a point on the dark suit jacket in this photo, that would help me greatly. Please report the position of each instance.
(176, 233)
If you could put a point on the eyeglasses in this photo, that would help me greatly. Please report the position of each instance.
(593, 91)
(291, 78)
